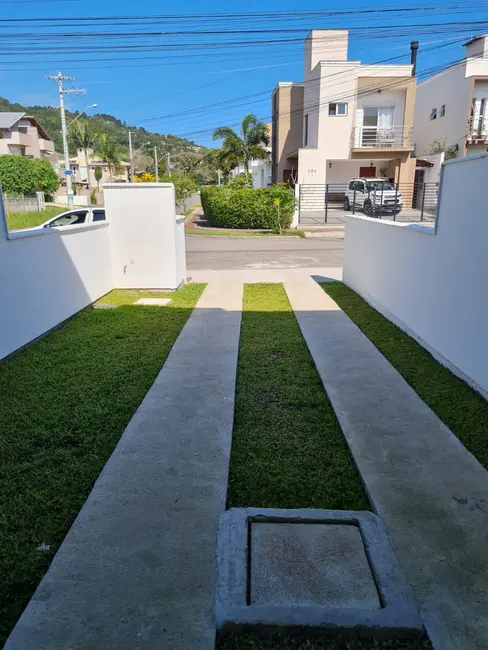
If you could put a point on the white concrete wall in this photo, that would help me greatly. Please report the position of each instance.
(47, 276)
(432, 285)
(146, 245)
(452, 89)
(432, 174)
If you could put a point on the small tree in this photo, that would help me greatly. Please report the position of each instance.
(20, 175)
(247, 146)
(109, 151)
(83, 137)
(98, 175)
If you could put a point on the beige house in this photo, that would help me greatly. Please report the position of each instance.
(452, 106)
(22, 135)
(345, 119)
(110, 173)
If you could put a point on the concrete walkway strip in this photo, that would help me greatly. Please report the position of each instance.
(137, 569)
(432, 493)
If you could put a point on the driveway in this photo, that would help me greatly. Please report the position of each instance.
(222, 253)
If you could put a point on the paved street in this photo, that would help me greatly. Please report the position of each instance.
(222, 253)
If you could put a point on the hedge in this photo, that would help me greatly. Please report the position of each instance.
(248, 207)
(21, 175)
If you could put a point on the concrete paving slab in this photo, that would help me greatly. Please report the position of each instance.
(153, 302)
(104, 306)
(431, 492)
(137, 570)
(310, 564)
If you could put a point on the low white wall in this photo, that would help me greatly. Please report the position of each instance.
(78, 199)
(47, 276)
(146, 238)
(432, 284)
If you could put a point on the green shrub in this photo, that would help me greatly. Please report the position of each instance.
(240, 181)
(247, 207)
(20, 175)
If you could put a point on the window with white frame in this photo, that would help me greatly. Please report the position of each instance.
(433, 114)
(442, 112)
(338, 110)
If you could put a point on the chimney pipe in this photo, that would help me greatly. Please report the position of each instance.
(414, 46)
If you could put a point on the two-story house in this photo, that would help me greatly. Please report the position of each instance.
(22, 135)
(452, 106)
(345, 119)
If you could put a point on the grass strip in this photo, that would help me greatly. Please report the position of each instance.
(66, 401)
(18, 220)
(288, 450)
(460, 407)
(251, 642)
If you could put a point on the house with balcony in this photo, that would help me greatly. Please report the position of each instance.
(451, 111)
(22, 135)
(346, 119)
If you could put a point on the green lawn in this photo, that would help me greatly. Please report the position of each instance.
(242, 233)
(461, 408)
(288, 450)
(129, 296)
(251, 642)
(66, 401)
(18, 220)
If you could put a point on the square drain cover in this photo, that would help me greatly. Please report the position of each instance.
(322, 569)
(310, 564)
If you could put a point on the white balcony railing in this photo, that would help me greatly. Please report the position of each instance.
(478, 128)
(375, 137)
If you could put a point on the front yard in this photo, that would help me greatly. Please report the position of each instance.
(66, 400)
(19, 220)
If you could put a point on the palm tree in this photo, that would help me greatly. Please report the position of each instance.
(83, 137)
(247, 146)
(109, 150)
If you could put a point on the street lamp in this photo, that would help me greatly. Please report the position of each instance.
(142, 147)
(80, 114)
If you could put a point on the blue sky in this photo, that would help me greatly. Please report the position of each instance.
(143, 91)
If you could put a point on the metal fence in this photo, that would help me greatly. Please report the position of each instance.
(330, 203)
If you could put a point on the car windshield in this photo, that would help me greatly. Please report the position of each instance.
(379, 186)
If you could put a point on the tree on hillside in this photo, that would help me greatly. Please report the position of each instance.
(108, 149)
(84, 137)
(247, 146)
(186, 161)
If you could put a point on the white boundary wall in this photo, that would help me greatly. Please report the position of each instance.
(47, 276)
(433, 284)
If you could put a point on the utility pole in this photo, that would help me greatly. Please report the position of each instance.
(131, 158)
(156, 164)
(64, 131)
(168, 155)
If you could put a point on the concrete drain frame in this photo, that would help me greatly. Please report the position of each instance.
(237, 607)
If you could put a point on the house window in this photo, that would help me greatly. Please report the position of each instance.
(23, 129)
(442, 111)
(338, 109)
(305, 140)
(433, 114)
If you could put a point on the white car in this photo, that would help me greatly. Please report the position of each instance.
(75, 217)
(373, 196)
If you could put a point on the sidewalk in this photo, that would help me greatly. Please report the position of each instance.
(432, 493)
(137, 568)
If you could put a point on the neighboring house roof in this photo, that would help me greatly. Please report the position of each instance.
(8, 119)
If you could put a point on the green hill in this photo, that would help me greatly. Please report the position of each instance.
(49, 118)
